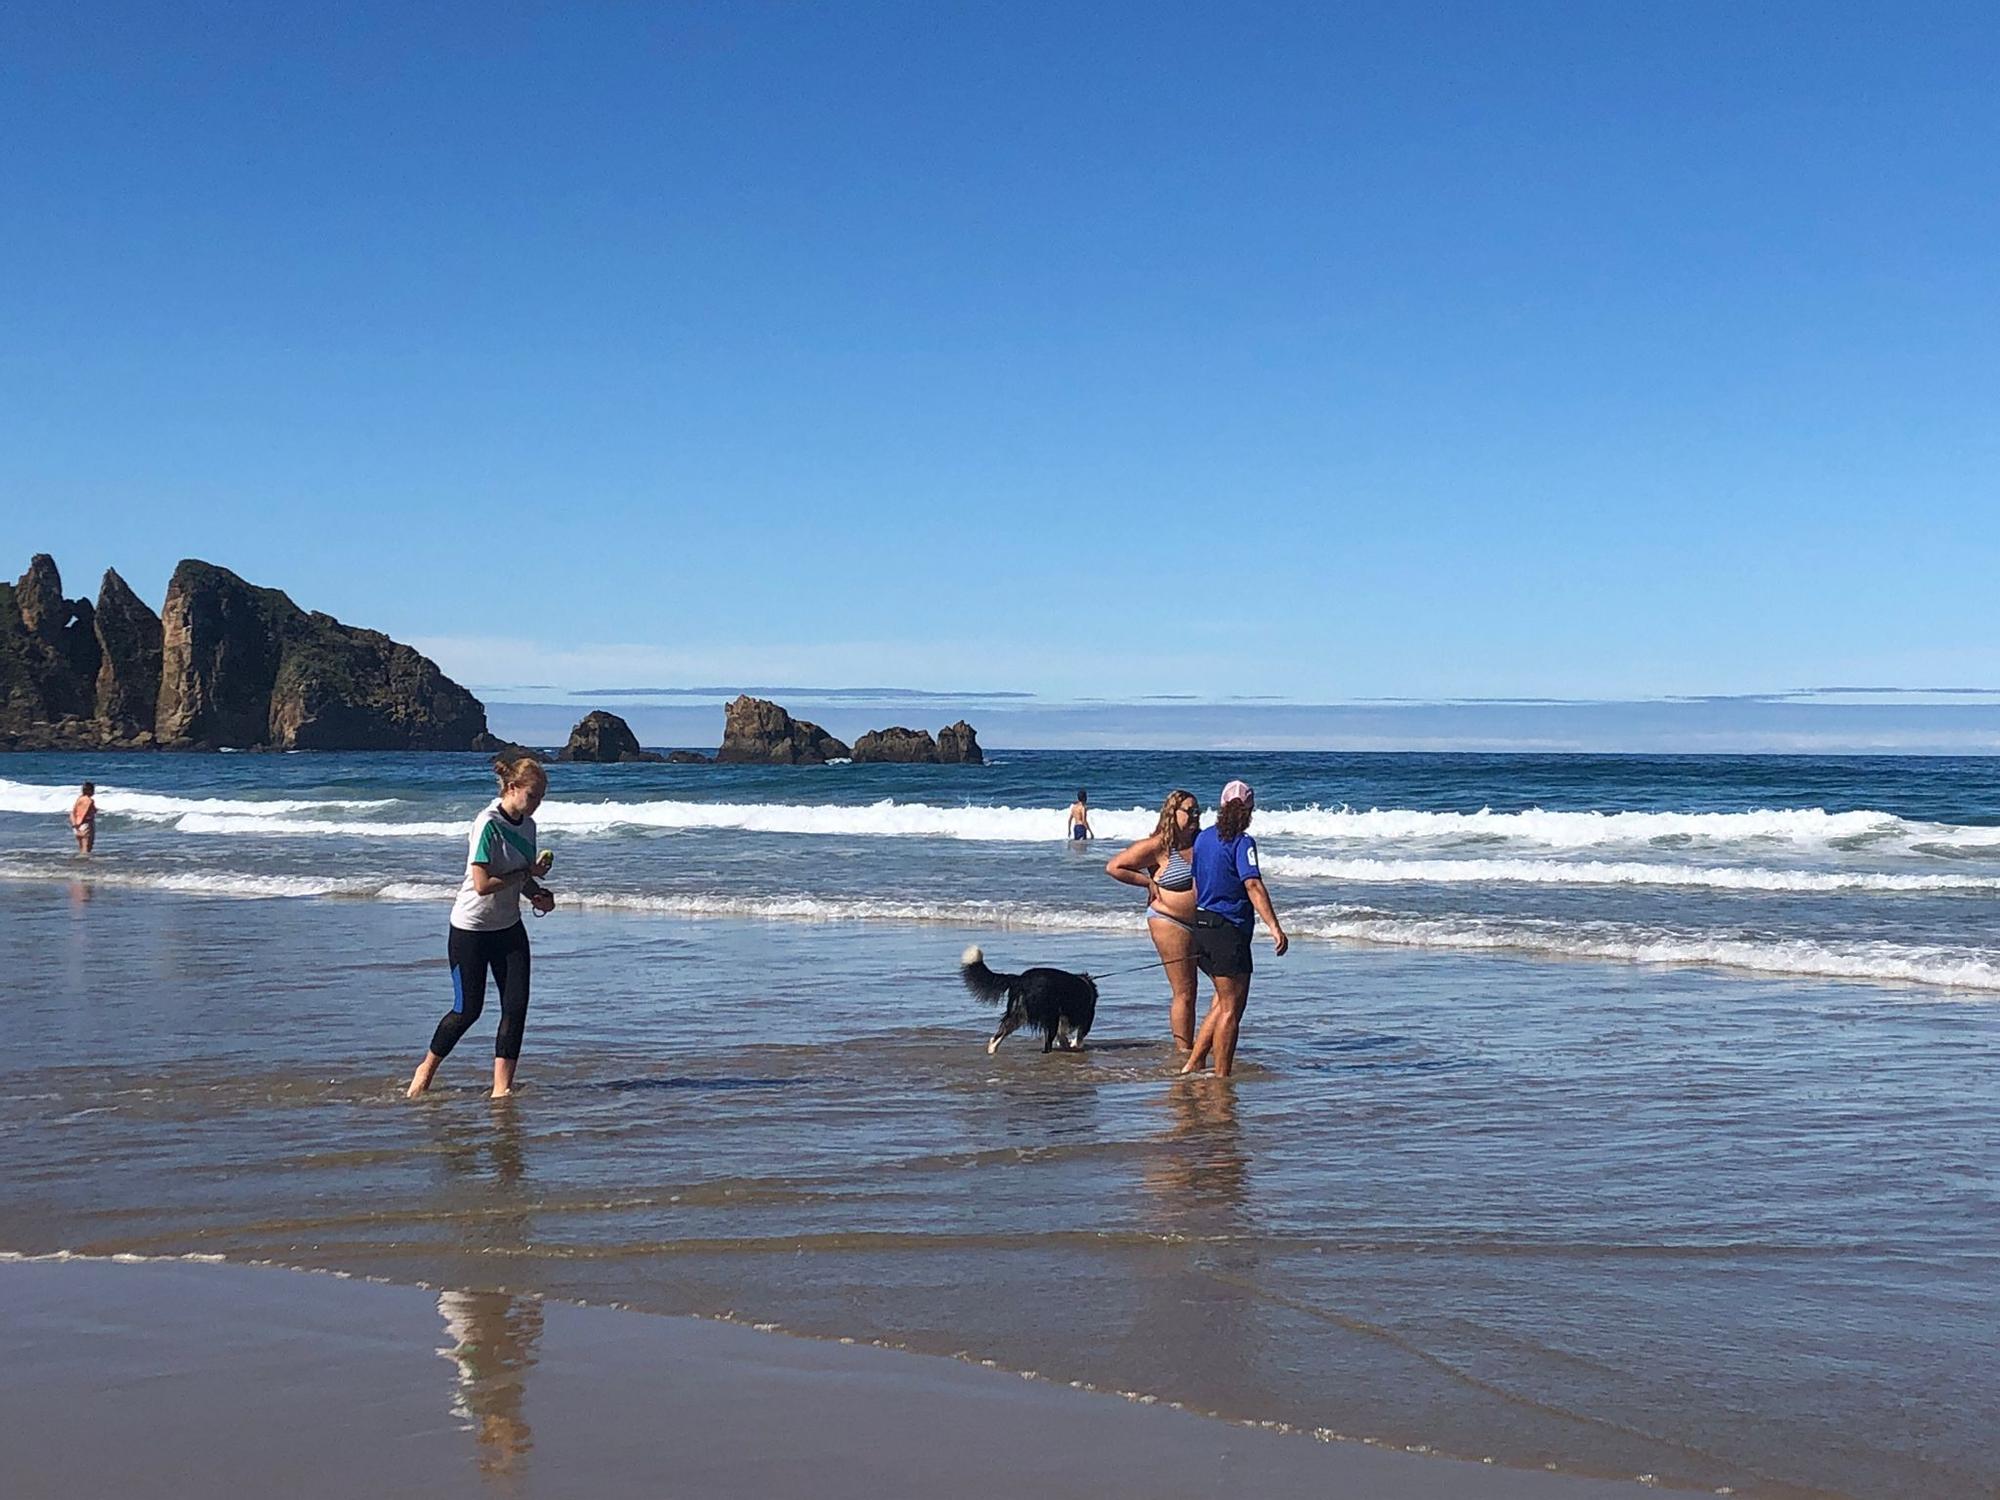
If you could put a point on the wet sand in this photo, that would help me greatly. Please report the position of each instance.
(1729, 1234)
(172, 1378)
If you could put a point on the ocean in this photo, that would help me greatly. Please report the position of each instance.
(1629, 1115)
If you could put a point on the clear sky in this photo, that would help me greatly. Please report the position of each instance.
(1326, 351)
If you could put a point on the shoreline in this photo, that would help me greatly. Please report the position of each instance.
(332, 1384)
(1396, 1229)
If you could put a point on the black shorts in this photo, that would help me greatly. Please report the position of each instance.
(1221, 948)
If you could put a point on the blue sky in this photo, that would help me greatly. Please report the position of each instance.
(1324, 351)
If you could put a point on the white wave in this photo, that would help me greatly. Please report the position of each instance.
(1951, 837)
(1801, 827)
(118, 1257)
(236, 883)
(230, 823)
(1578, 830)
(886, 819)
(1947, 968)
(879, 819)
(981, 914)
(1363, 871)
(28, 797)
(1804, 829)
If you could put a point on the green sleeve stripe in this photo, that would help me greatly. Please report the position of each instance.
(489, 844)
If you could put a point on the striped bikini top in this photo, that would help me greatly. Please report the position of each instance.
(1177, 875)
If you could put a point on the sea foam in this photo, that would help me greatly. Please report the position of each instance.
(1506, 871)
(1801, 830)
(1879, 961)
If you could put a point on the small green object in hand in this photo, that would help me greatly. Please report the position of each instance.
(548, 860)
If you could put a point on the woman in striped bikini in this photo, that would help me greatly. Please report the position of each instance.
(1158, 864)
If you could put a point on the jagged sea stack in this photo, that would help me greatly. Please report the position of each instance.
(128, 671)
(958, 745)
(245, 666)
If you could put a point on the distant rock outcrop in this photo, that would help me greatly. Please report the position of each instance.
(897, 745)
(491, 744)
(245, 666)
(689, 758)
(757, 730)
(605, 739)
(958, 745)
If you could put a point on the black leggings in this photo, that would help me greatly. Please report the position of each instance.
(472, 954)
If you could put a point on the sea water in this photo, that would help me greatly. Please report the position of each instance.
(1631, 1115)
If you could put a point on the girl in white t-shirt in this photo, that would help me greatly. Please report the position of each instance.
(501, 866)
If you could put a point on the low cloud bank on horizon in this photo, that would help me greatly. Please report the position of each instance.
(1700, 727)
(535, 693)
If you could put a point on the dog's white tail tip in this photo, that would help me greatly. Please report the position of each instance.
(970, 957)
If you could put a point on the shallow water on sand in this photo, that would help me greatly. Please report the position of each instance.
(1728, 1231)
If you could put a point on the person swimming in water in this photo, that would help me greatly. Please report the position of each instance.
(1079, 817)
(83, 818)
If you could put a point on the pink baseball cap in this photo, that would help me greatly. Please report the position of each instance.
(1239, 791)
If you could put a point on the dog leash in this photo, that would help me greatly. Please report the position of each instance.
(1158, 963)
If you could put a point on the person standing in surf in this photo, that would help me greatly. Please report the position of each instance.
(1079, 817)
(1229, 896)
(501, 866)
(83, 818)
(1158, 864)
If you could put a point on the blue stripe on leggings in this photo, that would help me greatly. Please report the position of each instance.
(457, 991)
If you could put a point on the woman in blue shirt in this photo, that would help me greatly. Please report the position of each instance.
(1229, 896)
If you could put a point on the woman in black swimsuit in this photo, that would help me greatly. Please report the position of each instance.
(1158, 864)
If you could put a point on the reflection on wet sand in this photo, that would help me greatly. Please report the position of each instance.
(1196, 1178)
(1193, 1323)
(495, 1336)
(487, 1155)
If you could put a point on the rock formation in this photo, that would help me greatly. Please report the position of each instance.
(606, 739)
(689, 758)
(229, 665)
(755, 729)
(897, 745)
(245, 666)
(53, 660)
(128, 671)
(958, 745)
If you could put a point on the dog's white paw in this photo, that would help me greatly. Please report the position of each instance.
(970, 957)
(993, 1046)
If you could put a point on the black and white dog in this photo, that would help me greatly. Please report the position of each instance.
(1058, 1004)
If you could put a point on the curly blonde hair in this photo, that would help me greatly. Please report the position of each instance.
(1164, 829)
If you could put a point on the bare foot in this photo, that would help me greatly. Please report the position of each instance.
(421, 1079)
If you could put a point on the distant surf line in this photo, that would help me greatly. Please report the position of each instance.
(1873, 961)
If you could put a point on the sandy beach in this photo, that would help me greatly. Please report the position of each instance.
(173, 1378)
